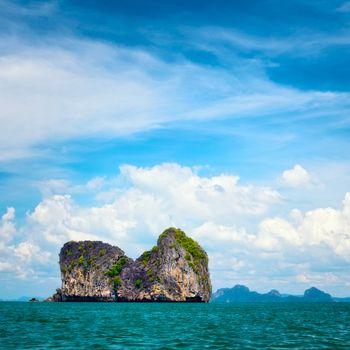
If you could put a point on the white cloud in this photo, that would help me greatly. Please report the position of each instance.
(9, 215)
(315, 229)
(5, 266)
(211, 233)
(7, 226)
(193, 196)
(79, 90)
(229, 219)
(320, 279)
(271, 231)
(312, 248)
(149, 200)
(28, 252)
(296, 177)
(58, 219)
(92, 87)
(56, 186)
(24, 259)
(96, 183)
(155, 198)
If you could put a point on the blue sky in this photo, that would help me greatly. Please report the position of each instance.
(227, 118)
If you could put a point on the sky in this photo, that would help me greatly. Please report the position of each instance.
(228, 119)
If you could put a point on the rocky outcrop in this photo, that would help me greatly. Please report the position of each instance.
(33, 300)
(85, 270)
(55, 297)
(176, 269)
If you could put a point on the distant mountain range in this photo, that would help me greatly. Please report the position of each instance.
(240, 293)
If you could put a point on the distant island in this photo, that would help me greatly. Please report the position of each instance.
(240, 293)
(174, 270)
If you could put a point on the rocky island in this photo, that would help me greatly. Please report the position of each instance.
(176, 269)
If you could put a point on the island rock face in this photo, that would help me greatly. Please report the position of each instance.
(84, 270)
(176, 269)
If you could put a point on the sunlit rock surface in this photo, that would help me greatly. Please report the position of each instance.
(176, 269)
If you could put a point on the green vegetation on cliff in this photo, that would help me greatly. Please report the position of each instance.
(81, 260)
(147, 255)
(193, 249)
(116, 269)
(138, 283)
(175, 269)
(116, 281)
(102, 252)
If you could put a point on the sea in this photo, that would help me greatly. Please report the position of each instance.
(25, 325)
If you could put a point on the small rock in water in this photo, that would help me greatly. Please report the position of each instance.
(33, 300)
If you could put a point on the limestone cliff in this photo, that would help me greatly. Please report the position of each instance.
(176, 269)
(84, 270)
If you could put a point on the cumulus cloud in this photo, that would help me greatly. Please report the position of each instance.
(296, 177)
(58, 219)
(26, 252)
(22, 259)
(7, 226)
(150, 200)
(319, 227)
(153, 198)
(220, 197)
(218, 211)
(288, 254)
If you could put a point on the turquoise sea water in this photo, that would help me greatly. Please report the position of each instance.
(174, 326)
